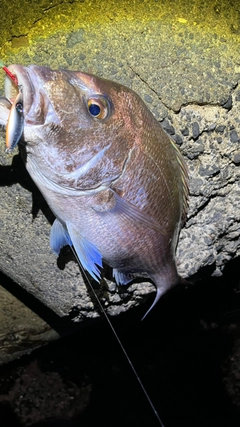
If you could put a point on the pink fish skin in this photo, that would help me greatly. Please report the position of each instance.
(115, 181)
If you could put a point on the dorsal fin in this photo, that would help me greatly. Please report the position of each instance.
(184, 180)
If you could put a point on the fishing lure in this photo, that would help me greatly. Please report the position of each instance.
(15, 121)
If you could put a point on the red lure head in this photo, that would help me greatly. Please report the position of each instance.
(14, 78)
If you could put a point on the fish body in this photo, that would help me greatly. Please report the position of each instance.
(115, 181)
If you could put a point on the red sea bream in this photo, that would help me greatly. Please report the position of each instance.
(113, 178)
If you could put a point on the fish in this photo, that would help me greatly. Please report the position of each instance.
(115, 181)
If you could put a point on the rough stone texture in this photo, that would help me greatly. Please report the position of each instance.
(189, 79)
(21, 329)
(211, 235)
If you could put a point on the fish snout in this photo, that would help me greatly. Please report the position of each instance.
(25, 101)
(24, 85)
(14, 95)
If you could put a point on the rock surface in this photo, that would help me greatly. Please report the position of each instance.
(190, 83)
(21, 329)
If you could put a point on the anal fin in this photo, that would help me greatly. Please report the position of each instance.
(121, 278)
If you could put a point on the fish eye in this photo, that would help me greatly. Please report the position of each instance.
(19, 107)
(94, 109)
(98, 107)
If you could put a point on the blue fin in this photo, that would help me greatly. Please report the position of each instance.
(121, 278)
(59, 237)
(88, 255)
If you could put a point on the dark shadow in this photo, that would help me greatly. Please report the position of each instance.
(17, 173)
(178, 352)
(7, 416)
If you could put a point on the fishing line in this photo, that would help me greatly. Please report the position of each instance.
(120, 343)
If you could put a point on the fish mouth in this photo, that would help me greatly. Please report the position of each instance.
(30, 105)
(32, 98)
(21, 94)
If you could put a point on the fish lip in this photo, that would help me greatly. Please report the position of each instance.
(24, 84)
(30, 85)
(37, 107)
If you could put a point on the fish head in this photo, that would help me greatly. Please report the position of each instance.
(78, 129)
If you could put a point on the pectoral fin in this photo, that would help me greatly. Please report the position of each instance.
(129, 212)
(109, 202)
(88, 255)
